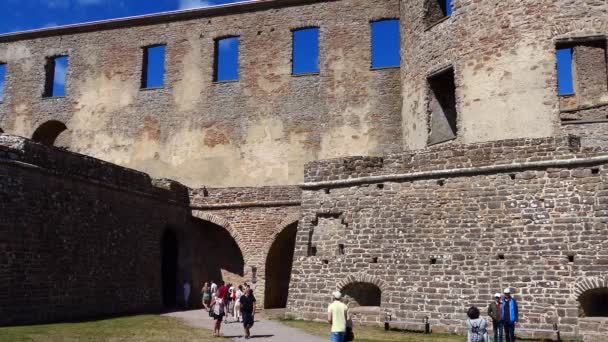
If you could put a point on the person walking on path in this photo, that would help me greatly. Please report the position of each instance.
(217, 308)
(477, 327)
(213, 288)
(229, 302)
(238, 293)
(206, 296)
(509, 314)
(337, 314)
(495, 312)
(222, 292)
(248, 309)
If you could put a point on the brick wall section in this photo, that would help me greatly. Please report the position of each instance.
(535, 217)
(436, 158)
(80, 237)
(254, 132)
(254, 217)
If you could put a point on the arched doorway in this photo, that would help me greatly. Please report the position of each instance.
(1, 131)
(594, 302)
(169, 268)
(216, 255)
(48, 132)
(278, 268)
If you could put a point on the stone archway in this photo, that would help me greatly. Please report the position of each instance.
(279, 261)
(48, 132)
(219, 256)
(592, 295)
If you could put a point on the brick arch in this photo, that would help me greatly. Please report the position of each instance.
(590, 283)
(286, 222)
(362, 277)
(222, 222)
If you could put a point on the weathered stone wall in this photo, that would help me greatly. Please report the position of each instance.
(441, 229)
(79, 237)
(503, 56)
(257, 131)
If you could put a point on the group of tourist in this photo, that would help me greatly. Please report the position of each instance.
(502, 310)
(504, 314)
(225, 300)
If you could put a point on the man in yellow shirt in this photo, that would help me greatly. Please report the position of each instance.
(337, 313)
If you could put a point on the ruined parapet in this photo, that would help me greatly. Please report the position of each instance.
(63, 163)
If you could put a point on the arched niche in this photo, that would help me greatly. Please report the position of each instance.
(49, 132)
(362, 294)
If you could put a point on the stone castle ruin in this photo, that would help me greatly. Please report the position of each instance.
(417, 189)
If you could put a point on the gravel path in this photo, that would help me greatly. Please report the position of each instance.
(263, 330)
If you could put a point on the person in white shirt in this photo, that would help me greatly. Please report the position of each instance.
(237, 303)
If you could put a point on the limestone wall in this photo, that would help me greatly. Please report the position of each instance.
(504, 64)
(441, 229)
(257, 131)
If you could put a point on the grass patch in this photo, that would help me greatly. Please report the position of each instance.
(148, 328)
(374, 334)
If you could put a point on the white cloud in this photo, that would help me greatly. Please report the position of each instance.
(51, 24)
(189, 4)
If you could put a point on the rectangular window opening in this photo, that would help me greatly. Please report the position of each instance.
(442, 107)
(386, 43)
(153, 67)
(56, 70)
(565, 77)
(305, 54)
(226, 59)
(2, 80)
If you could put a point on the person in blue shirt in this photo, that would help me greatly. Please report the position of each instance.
(509, 315)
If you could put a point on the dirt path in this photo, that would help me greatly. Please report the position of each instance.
(263, 330)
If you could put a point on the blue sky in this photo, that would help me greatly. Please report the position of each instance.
(21, 15)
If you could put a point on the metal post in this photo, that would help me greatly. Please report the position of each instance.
(427, 325)
(557, 331)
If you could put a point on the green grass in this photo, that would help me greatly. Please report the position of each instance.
(374, 334)
(148, 328)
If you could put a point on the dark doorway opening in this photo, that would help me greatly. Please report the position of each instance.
(48, 132)
(169, 269)
(278, 268)
(594, 303)
(362, 294)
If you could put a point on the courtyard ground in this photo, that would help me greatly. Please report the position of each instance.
(373, 334)
(194, 326)
(146, 328)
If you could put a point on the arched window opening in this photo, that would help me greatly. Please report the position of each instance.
(169, 268)
(362, 294)
(594, 303)
(48, 132)
(1, 131)
(278, 268)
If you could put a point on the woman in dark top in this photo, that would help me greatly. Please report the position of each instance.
(247, 311)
